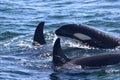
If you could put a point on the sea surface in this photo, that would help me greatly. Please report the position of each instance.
(20, 60)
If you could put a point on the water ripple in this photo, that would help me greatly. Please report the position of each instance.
(20, 60)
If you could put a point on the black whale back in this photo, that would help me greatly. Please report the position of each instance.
(99, 39)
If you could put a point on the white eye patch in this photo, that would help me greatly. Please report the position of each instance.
(82, 36)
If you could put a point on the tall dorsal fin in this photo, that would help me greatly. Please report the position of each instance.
(58, 56)
(38, 35)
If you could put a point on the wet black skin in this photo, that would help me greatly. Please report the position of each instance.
(38, 35)
(94, 61)
(99, 39)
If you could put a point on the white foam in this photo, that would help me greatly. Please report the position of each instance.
(69, 42)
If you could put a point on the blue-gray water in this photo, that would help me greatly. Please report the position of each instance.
(19, 60)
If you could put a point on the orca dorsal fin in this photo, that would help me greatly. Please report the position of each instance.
(38, 35)
(58, 56)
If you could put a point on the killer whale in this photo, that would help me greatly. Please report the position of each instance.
(38, 38)
(91, 62)
(89, 36)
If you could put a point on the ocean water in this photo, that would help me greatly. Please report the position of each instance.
(19, 60)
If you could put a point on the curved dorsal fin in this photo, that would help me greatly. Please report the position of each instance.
(58, 56)
(38, 35)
